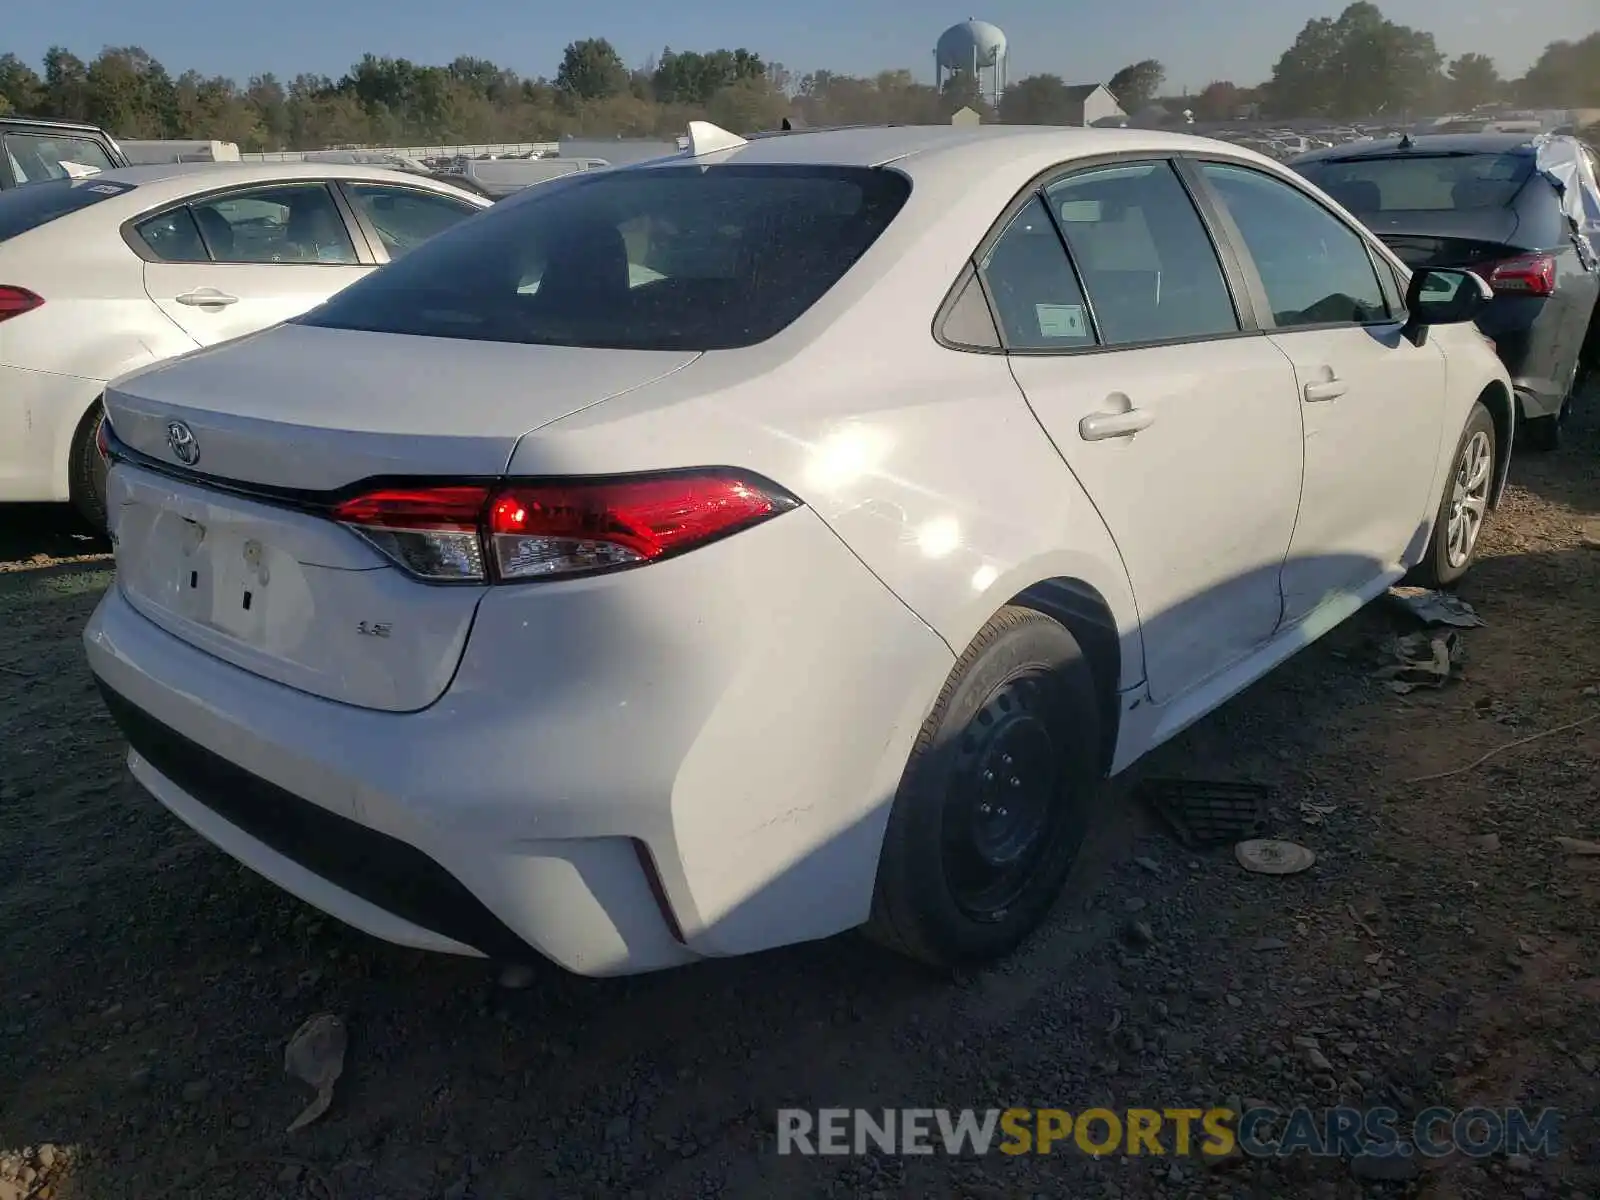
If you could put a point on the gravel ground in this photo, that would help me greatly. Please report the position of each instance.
(1442, 950)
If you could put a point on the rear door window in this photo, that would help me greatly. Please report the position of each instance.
(173, 237)
(25, 208)
(1145, 258)
(1036, 296)
(38, 157)
(285, 223)
(665, 258)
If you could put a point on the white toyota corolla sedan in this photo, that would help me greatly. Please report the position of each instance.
(110, 272)
(693, 558)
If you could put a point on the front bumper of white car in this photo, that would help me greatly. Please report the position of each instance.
(628, 772)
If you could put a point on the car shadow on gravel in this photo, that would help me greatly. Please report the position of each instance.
(1569, 476)
(34, 533)
(154, 983)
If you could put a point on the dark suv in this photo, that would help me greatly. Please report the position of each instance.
(1479, 201)
(33, 149)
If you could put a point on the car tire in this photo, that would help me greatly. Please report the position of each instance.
(1541, 435)
(1443, 564)
(1589, 355)
(963, 877)
(86, 470)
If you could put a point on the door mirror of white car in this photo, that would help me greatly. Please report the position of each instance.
(1443, 297)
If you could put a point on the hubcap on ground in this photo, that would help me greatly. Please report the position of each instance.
(1002, 812)
(1469, 498)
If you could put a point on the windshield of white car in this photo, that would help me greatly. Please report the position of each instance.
(25, 208)
(664, 258)
(1420, 182)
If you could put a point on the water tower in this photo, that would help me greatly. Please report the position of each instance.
(973, 47)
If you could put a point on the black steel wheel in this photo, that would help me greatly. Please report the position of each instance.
(1000, 812)
(993, 805)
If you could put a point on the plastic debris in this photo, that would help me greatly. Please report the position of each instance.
(1421, 660)
(1436, 608)
(315, 1055)
(1268, 856)
(1204, 812)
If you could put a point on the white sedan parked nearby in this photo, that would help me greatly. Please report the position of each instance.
(812, 523)
(115, 271)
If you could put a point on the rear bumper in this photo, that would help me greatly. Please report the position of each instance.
(743, 713)
(422, 903)
(1524, 338)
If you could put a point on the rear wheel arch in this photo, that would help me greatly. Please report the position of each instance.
(1502, 407)
(978, 844)
(1085, 613)
(86, 473)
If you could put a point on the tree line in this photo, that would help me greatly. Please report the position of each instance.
(1358, 64)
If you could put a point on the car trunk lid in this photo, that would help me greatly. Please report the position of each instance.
(1448, 239)
(222, 525)
(312, 409)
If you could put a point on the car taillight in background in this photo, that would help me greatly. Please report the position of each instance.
(1525, 275)
(511, 531)
(14, 301)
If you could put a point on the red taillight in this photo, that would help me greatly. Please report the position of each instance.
(547, 530)
(431, 532)
(102, 439)
(14, 301)
(1526, 275)
(558, 529)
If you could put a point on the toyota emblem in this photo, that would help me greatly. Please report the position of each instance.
(180, 440)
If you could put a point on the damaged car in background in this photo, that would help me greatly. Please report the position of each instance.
(1523, 213)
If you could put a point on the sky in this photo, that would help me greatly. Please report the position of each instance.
(1086, 41)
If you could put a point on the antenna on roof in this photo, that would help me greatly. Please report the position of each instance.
(790, 124)
(1405, 142)
(706, 138)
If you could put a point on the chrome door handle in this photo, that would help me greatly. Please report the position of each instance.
(207, 298)
(1316, 393)
(1097, 427)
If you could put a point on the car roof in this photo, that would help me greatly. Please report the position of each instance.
(227, 174)
(1429, 143)
(51, 123)
(933, 147)
(151, 186)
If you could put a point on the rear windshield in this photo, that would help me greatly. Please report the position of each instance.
(37, 156)
(1423, 182)
(665, 258)
(25, 208)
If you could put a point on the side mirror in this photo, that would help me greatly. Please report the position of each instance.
(1439, 296)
